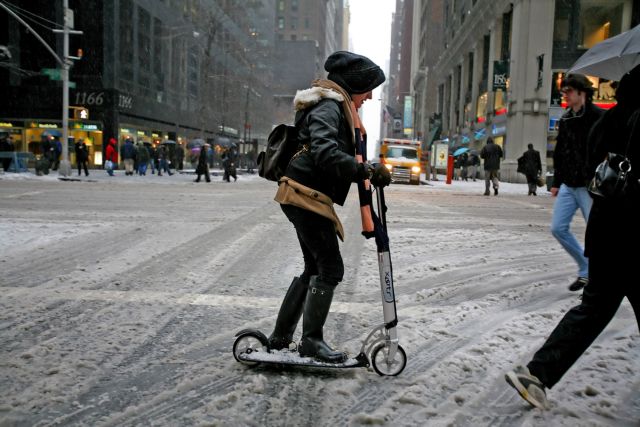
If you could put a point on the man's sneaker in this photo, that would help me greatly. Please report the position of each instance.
(580, 283)
(529, 386)
(495, 191)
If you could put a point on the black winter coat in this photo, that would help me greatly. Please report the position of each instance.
(614, 221)
(570, 154)
(532, 162)
(491, 153)
(203, 165)
(330, 165)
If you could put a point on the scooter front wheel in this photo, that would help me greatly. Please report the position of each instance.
(247, 343)
(384, 367)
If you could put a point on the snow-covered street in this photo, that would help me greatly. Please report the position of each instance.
(121, 297)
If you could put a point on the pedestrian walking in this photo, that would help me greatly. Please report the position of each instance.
(318, 176)
(82, 156)
(164, 164)
(142, 159)
(531, 168)
(155, 162)
(56, 152)
(203, 165)
(571, 174)
(179, 156)
(612, 274)
(128, 153)
(228, 166)
(491, 153)
(464, 167)
(111, 156)
(474, 162)
(6, 147)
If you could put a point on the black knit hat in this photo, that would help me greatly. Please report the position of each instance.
(354, 73)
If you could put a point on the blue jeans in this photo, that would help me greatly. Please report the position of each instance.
(568, 201)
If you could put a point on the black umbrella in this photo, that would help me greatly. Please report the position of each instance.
(198, 142)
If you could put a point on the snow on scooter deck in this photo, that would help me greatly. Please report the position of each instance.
(288, 358)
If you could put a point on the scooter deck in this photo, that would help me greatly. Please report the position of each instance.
(292, 358)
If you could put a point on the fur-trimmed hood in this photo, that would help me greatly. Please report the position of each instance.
(309, 97)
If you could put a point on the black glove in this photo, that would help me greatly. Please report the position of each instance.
(363, 171)
(381, 177)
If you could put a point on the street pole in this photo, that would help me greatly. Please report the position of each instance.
(65, 164)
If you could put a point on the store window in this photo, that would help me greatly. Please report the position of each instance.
(481, 111)
(580, 24)
(600, 20)
(500, 102)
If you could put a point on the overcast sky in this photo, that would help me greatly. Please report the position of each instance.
(370, 35)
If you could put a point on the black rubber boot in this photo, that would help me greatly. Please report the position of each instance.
(289, 315)
(316, 309)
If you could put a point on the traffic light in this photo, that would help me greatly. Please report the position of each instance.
(80, 113)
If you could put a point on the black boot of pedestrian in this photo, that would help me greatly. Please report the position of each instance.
(289, 315)
(316, 309)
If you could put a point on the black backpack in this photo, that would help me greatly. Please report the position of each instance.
(282, 144)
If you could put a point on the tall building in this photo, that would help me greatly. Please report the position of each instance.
(397, 98)
(149, 71)
(501, 63)
(427, 47)
(307, 32)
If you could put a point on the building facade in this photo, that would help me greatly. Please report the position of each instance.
(397, 120)
(500, 65)
(307, 32)
(150, 71)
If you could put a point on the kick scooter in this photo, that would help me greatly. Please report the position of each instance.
(380, 349)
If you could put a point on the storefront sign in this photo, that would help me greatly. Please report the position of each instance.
(11, 124)
(42, 125)
(498, 130)
(500, 75)
(87, 126)
(408, 112)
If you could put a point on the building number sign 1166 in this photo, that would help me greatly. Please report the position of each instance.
(89, 98)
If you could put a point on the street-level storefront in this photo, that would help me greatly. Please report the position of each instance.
(27, 134)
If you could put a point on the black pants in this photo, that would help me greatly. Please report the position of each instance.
(81, 165)
(206, 176)
(319, 244)
(532, 181)
(611, 278)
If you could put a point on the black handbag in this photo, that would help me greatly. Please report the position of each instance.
(613, 177)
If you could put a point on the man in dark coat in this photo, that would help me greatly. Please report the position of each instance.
(532, 168)
(571, 174)
(203, 165)
(5, 147)
(82, 156)
(491, 153)
(612, 273)
(318, 176)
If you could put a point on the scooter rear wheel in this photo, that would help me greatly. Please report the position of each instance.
(382, 366)
(247, 343)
